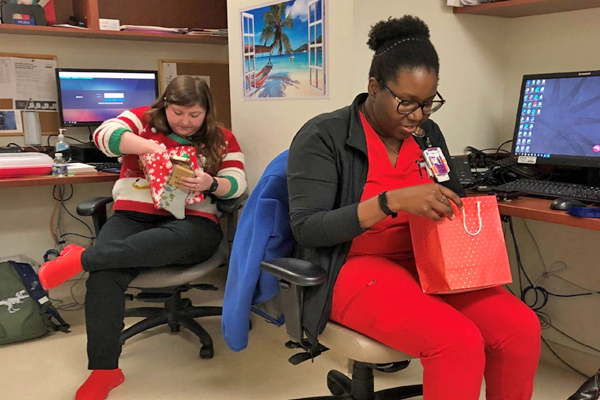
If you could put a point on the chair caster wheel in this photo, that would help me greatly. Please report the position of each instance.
(207, 352)
(338, 383)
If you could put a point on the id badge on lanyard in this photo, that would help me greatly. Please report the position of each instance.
(435, 163)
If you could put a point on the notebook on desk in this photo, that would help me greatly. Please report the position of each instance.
(80, 168)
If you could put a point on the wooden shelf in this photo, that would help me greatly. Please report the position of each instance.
(526, 8)
(98, 34)
(52, 180)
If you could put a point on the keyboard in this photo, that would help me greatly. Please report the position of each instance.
(550, 189)
(107, 167)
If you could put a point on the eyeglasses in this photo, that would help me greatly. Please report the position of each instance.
(406, 107)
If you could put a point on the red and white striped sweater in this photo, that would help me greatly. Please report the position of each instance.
(132, 191)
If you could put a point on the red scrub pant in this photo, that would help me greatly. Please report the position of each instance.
(460, 338)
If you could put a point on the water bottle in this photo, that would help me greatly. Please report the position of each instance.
(63, 147)
(59, 167)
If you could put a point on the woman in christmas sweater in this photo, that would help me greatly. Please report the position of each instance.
(139, 235)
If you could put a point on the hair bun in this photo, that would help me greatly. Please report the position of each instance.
(396, 29)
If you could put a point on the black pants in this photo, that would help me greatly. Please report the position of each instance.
(127, 244)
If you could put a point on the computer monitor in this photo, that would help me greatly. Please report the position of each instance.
(88, 97)
(558, 120)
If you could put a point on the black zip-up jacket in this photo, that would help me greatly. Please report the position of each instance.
(326, 173)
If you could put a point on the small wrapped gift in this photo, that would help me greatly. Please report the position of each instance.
(163, 171)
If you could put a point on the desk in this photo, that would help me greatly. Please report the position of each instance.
(539, 210)
(53, 180)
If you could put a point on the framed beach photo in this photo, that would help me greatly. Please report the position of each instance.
(284, 51)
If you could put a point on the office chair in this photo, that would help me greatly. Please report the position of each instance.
(166, 284)
(294, 276)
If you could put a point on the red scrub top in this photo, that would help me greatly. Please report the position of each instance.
(390, 237)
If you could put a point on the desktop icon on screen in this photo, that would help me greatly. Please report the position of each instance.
(539, 111)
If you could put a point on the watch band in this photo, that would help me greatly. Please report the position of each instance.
(383, 205)
(215, 185)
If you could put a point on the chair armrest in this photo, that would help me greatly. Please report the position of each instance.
(91, 206)
(295, 271)
(230, 209)
(95, 207)
(294, 276)
(231, 205)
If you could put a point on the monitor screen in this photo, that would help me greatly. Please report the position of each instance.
(558, 119)
(88, 97)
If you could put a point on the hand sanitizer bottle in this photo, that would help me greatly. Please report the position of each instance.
(63, 147)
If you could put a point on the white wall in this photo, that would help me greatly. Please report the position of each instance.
(25, 212)
(467, 47)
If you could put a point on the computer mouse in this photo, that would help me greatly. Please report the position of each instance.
(564, 203)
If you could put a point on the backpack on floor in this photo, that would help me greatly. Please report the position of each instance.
(25, 310)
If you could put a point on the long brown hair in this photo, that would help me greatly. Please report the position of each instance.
(186, 91)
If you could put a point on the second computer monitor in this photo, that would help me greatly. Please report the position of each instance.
(87, 97)
(558, 119)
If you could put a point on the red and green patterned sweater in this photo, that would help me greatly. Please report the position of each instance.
(132, 191)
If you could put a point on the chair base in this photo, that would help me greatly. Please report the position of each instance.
(177, 312)
(361, 386)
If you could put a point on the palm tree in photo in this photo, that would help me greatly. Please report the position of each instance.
(275, 20)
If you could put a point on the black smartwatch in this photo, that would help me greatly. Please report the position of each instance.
(383, 205)
(215, 185)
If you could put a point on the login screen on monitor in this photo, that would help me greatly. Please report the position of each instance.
(91, 97)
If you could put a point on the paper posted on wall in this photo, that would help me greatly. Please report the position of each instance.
(31, 83)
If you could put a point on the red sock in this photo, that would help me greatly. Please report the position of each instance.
(56, 272)
(99, 383)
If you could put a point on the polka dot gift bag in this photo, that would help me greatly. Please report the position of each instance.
(461, 255)
(158, 169)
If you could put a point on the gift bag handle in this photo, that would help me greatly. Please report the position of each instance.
(478, 217)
